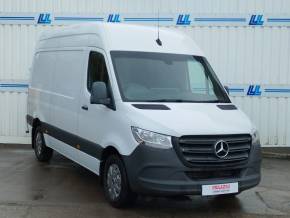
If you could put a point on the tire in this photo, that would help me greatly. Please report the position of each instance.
(115, 183)
(42, 152)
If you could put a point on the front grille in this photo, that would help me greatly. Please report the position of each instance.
(199, 150)
(217, 174)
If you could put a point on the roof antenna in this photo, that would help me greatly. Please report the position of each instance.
(158, 41)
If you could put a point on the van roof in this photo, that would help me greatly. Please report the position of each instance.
(124, 37)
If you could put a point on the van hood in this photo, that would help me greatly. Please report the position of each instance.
(190, 119)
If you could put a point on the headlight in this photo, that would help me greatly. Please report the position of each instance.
(255, 138)
(151, 138)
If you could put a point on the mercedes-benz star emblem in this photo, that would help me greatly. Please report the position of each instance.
(221, 149)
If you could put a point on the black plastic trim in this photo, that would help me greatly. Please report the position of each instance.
(159, 172)
(151, 106)
(227, 107)
(88, 147)
(176, 147)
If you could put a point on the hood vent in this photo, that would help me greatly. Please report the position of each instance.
(227, 107)
(151, 106)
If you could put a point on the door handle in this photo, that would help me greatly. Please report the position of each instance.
(85, 107)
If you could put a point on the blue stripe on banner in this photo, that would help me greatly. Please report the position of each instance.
(199, 89)
(148, 19)
(236, 90)
(17, 18)
(7, 85)
(79, 18)
(220, 19)
(278, 90)
(233, 90)
(278, 19)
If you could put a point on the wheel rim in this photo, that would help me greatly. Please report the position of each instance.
(38, 143)
(114, 181)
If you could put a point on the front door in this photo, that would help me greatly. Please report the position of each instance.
(94, 119)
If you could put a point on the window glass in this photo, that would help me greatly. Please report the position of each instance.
(199, 80)
(97, 70)
(163, 77)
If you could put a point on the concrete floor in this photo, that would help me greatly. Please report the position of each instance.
(64, 189)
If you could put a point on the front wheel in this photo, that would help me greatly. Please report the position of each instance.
(116, 186)
(42, 152)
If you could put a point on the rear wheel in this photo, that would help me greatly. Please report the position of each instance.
(42, 152)
(115, 182)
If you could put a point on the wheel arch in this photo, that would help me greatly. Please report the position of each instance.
(35, 123)
(109, 150)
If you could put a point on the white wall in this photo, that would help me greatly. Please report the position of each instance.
(240, 54)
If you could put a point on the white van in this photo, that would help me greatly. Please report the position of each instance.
(148, 115)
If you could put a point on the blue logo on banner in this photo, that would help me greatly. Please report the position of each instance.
(114, 18)
(44, 19)
(254, 90)
(183, 19)
(256, 20)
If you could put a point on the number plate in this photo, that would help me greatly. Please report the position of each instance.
(219, 189)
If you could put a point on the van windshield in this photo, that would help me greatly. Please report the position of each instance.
(162, 77)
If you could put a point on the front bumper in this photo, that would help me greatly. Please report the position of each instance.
(160, 172)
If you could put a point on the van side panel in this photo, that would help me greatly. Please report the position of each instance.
(65, 90)
(39, 97)
(66, 86)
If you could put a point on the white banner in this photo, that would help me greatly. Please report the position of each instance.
(256, 90)
(251, 90)
(174, 19)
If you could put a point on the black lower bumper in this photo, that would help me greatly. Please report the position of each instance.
(159, 172)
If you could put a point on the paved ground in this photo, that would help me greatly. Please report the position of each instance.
(278, 152)
(64, 189)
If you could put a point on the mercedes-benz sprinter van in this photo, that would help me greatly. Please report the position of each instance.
(146, 114)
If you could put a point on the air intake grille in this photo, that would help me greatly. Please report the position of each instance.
(200, 150)
(217, 174)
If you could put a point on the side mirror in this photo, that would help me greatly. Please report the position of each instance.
(227, 89)
(99, 94)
